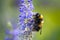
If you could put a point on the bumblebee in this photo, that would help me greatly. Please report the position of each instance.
(38, 22)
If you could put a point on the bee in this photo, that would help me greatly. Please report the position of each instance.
(38, 22)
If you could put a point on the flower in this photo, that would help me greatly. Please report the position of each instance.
(25, 21)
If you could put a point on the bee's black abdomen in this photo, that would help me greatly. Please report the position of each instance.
(36, 27)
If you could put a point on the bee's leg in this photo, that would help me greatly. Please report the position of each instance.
(40, 31)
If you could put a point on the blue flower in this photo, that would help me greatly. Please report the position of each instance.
(29, 0)
(25, 14)
(22, 1)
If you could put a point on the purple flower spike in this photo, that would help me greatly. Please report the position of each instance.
(24, 29)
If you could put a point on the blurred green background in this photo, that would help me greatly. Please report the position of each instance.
(50, 9)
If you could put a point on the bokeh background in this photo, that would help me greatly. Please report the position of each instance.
(50, 9)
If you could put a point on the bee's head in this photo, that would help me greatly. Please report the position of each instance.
(37, 15)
